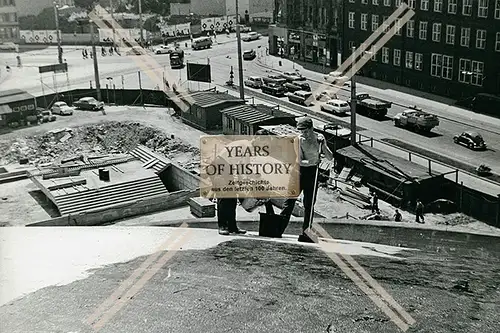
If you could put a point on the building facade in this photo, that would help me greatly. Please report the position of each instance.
(449, 47)
(307, 30)
(35, 7)
(9, 24)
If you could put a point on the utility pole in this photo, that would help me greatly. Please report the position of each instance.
(140, 22)
(59, 49)
(112, 21)
(96, 67)
(240, 59)
(353, 98)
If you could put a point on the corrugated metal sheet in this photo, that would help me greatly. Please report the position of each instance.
(11, 92)
(206, 99)
(11, 96)
(254, 114)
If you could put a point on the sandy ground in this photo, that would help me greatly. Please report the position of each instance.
(21, 207)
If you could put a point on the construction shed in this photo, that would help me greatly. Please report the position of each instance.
(204, 109)
(15, 106)
(395, 179)
(248, 119)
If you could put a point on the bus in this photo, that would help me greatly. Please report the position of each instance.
(177, 58)
(201, 43)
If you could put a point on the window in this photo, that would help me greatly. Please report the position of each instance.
(385, 26)
(424, 4)
(364, 20)
(497, 9)
(482, 8)
(387, 3)
(410, 28)
(351, 20)
(385, 55)
(436, 32)
(436, 64)
(438, 6)
(480, 39)
(374, 22)
(397, 27)
(409, 59)
(411, 4)
(364, 2)
(396, 60)
(422, 31)
(465, 37)
(464, 71)
(418, 61)
(450, 34)
(397, 3)
(497, 42)
(452, 6)
(375, 2)
(477, 73)
(467, 7)
(351, 44)
(373, 50)
(447, 69)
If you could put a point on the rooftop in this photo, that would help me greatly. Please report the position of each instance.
(253, 114)
(206, 99)
(14, 95)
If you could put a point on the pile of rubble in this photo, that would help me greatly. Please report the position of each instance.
(109, 137)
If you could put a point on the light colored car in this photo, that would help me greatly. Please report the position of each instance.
(251, 36)
(163, 49)
(245, 29)
(62, 108)
(293, 76)
(336, 106)
(337, 79)
(254, 82)
(46, 116)
(326, 95)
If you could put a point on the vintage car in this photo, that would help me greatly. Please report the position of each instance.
(253, 82)
(249, 55)
(472, 140)
(89, 103)
(293, 76)
(163, 49)
(297, 85)
(62, 108)
(336, 106)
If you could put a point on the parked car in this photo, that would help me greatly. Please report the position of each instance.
(274, 79)
(61, 108)
(249, 55)
(326, 95)
(251, 37)
(9, 46)
(416, 119)
(273, 88)
(301, 97)
(472, 140)
(245, 29)
(45, 115)
(254, 82)
(163, 49)
(89, 103)
(336, 106)
(297, 85)
(293, 76)
(136, 50)
(337, 79)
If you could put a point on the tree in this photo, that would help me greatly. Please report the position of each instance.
(160, 7)
(85, 4)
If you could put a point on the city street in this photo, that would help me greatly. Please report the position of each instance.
(123, 70)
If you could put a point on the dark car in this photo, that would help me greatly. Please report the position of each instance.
(274, 89)
(89, 103)
(297, 85)
(249, 55)
(472, 140)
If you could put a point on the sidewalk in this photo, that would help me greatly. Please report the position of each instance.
(441, 106)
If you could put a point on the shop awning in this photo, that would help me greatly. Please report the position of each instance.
(5, 109)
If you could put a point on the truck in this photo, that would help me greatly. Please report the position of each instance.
(273, 88)
(371, 106)
(177, 58)
(416, 119)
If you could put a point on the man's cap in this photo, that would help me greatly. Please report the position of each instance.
(304, 123)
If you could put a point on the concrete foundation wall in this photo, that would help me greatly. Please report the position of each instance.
(129, 209)
(176, 178)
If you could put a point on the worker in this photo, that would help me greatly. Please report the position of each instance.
(419, 211)
(374, 202)
(397, 216)
(311, 144)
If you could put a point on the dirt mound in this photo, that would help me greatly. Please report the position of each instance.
(108, 137)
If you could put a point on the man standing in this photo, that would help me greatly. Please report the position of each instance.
(311, 147)
(419, 211)
(374, 202)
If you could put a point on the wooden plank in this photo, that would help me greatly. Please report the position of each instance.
(66, 183)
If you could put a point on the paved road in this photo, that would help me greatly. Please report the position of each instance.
(65, 279)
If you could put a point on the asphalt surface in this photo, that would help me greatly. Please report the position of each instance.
(257, 285)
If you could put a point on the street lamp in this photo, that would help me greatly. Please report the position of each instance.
(240, 59)
(109, 85)
(59, 48)
(96, 67)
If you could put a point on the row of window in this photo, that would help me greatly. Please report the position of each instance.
(450, 33)
(5, 3)
(482, 6)
(231, 124)
(8, 33)
(8, 17)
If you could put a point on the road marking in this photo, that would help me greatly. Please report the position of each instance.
(133, 277)
(121, 302)
(352, 61)
(146, 62)
(372, 290)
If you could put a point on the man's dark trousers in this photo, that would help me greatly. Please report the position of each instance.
(226, 213)
(307, 178)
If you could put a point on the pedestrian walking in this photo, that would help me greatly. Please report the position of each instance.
(311, 147)
(374, 202)
(419, 211)
(397, 216)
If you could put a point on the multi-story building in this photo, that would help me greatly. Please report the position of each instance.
(307, 30)
(9, 24)
(449, 47)
(35, 7)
